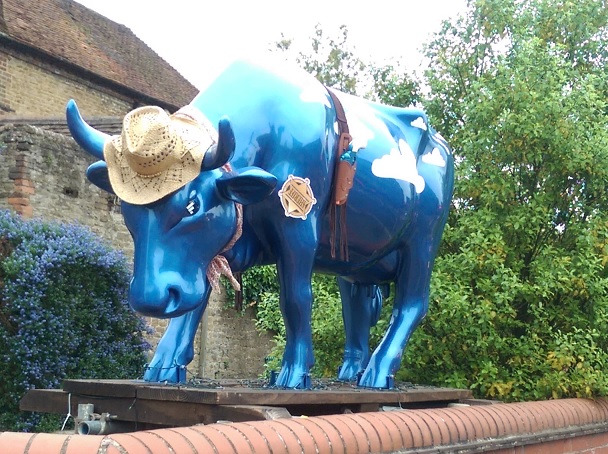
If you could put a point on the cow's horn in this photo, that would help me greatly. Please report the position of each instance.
(89, 138)
(220, 154)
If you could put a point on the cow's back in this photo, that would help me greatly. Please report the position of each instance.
(280, 116)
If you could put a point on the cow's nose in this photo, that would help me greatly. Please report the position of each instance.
(151, 299)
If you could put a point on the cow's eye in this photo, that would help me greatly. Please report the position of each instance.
(192, 207)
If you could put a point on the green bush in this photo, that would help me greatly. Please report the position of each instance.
(63, 314)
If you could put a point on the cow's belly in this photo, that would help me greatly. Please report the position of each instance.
(379, 212)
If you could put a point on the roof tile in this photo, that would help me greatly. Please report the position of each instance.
(73, 33)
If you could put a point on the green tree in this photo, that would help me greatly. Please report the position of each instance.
(330, 59)
(393, 86)
(333, 61)
(520, 290)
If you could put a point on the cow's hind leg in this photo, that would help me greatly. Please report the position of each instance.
(361, 306)
(409, 308)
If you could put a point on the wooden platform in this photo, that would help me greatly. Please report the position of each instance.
(205, 402)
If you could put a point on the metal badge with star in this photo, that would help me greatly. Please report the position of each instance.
(297, 197)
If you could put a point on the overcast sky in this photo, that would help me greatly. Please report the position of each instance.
(187, 33)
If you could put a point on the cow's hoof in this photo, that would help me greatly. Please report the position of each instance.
(172, 374)
(378, 382)
(292, 380)
(350, 372)
(353, 366)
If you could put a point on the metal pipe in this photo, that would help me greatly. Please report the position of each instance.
(104, 427)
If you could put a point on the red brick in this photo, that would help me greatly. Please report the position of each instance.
(557, 413)
(177, 441)
(218, 440)
(331, 434)
(353, 440)
(272, 435)
(494, 418)
(552, 447)
(131, 443)
(201, 443)
(400, 433)
(374, 443)
(438, 426)
(253, 436)
(459, 422)
(462, 415)
(511, 421)
(23, 191)
(585, 413)
(413, 425)
(83, 444)
(25, 211)
(25, 183)
(318, 434)
(478, 423)
(383, 426)
(15, 443)
(589, 442)
(18, 201)
(522, 418)
(47, 444)
(456, 427)
(241, 444)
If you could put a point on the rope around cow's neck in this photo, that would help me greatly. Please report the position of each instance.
(219, 265)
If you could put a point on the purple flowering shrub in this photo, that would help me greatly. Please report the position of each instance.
(63, 313)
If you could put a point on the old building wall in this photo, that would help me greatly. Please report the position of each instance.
(30, 87)
(42, 175)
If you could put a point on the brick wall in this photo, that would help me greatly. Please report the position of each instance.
(42, 174)
(33, 88)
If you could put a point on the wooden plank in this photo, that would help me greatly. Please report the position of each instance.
(244, 396)
(163, 413)
(47, 401)
(114, 388)
(337, 394)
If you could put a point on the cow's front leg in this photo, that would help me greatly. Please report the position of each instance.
(361, 306)
(175, 349)
(294, 269)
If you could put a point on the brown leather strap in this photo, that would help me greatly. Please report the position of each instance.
(345, 137)
(342, 182)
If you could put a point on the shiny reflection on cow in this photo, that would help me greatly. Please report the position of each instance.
(275, 157)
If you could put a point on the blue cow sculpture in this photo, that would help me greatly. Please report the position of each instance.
(260, 192)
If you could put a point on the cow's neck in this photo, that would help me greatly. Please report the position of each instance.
(220, 265)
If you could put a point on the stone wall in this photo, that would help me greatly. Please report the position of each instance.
(42, 174)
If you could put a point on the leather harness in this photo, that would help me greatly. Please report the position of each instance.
(344, 173)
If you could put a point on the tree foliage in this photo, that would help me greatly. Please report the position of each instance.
(333, 61)
(520, 88)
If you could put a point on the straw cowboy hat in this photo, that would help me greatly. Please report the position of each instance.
(157, 153)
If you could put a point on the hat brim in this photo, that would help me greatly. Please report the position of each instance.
(138, 189)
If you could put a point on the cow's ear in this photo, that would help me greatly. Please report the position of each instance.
(97, 173)
(247, 185)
